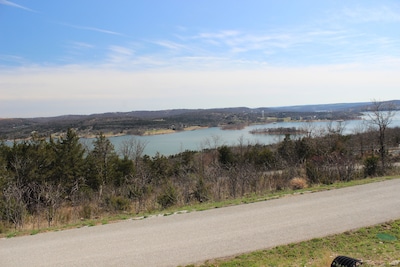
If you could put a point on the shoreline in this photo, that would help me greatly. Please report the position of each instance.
(162, 131)
(145, 133)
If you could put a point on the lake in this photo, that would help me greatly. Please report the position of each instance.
(170, 144)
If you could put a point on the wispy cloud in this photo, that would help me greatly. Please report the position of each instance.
(98, 30)
(95, 29)
(375, 14)
(244, 50)
(121, 51)
(12, 59)
(119, 54)
(80, 45)
(241, 42)
(77, 52)
(239, 45)
(170, 45)
(218, 35)
(12, 4)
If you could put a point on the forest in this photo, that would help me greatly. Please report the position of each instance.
(48, 181)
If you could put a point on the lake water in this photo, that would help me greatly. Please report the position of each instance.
(169, 144)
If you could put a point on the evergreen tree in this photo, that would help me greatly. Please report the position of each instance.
(69, 160)
(101, 163)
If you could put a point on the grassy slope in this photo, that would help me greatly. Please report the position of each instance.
(376, 246)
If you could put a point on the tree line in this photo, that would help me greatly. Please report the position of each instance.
(50, 181)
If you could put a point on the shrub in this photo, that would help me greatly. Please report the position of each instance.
(168, 197)
(86, 212)
(298, 183)
(313, 173)
(117, 203)
(202, 191)
(371, 166)
(3, 228)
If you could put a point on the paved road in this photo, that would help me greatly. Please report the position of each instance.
(198, 236)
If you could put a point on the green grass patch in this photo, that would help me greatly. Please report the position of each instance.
(377, 246)
(11, 234)
(35, 232)
(91, 223)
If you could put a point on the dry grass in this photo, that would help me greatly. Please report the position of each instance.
(298, 183)
(158, 132)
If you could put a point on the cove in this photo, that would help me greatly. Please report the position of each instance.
(174, 143)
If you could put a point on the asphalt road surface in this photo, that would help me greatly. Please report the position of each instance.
(195, 237)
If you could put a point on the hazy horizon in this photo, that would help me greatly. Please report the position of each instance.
(159, 110)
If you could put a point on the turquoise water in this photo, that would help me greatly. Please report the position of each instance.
(169, 144)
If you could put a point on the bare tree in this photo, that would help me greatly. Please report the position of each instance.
(14, 205)
(309, 128)
(336, 128)
(139, 187)
(381, 115)
(212, 145)
(133, 149)
(75, 194)
(241, 146)
(36, 195)
(52, 196)
(359, 133)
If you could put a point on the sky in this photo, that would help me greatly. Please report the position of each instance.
(94, 56)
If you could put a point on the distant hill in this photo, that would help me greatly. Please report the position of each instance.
(347, 107)
(137, 122)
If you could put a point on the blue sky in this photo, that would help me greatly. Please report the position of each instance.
(83, 57)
